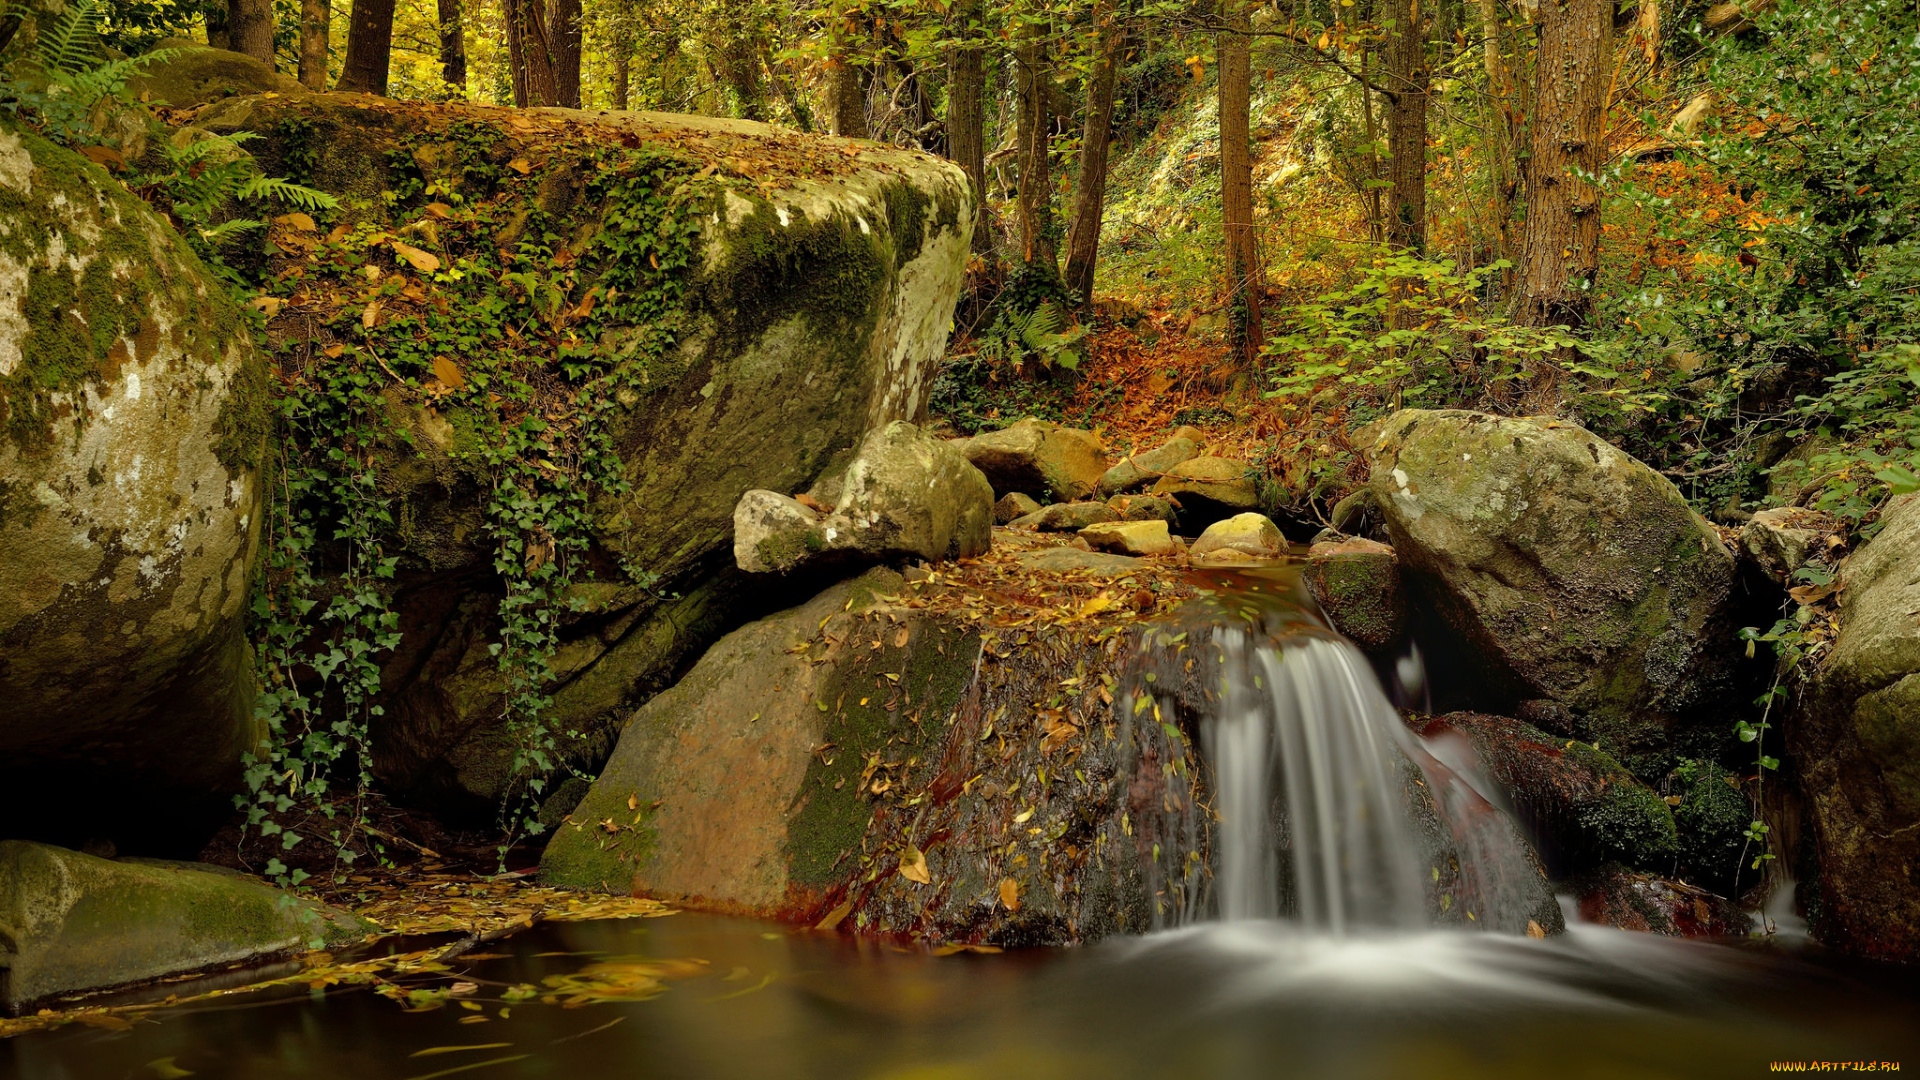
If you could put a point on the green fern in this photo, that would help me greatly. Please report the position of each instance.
(198, 183)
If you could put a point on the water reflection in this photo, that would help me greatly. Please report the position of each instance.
(1241, 1000)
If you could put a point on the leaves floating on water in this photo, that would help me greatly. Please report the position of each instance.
(469, 1068)
(165, 1069)
(626, 979)
(431, 1051)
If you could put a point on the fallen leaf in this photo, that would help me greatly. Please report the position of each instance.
(1010, 894)
(424, 261)
(165, 1069)
(267, 305)
(913, 865)
(104, 156)
(371, 316)
(297, 221)
(1534, 930)
(1023, 817)
(832, 918)
(434, 1051)
(520, 166)
(449, 373)
(333, 352)
(438, 209)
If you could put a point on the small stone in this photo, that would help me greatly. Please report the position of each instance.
(1356, 582)
(1243, 538)
(1129, 537)
(1041, 457)
(1014, 505)
(1781, 540)
(1139, 470)
(1144, 508)
(1066, 517)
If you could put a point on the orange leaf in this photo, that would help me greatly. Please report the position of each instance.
(424, 261)
(913, 865)
(449, 373)
(1010, 894)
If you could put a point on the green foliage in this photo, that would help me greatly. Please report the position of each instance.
(204, 178)
(1413, 331)
(69, 55)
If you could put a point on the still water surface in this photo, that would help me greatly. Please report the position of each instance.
(1225, 1000)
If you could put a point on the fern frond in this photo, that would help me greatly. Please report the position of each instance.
(305, 198)
(70, 43)
(226, 230)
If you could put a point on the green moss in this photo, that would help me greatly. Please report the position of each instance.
(784, 549)
(246, 417)
(1632, 823)
(1712, 821)
(828, 272)
(935, 667)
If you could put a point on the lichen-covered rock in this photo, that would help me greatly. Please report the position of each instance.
(1781, 540)
(906, 495)
(1130, 537)
(1144, 508)
(1564, 570)
(1581, 806)
(1014, 505)
(1613, 895)
(71, 923)
(197, 75)
(1242, 538)
(1041, 458)
(1136, 471)
(747, 304)
(1066, 517)
(800, 772)
(1209, 489)
(1856, 739)
(1357, 585)
(133, 415)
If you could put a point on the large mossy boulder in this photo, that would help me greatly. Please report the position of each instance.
(1040, 458)
(721, 306)
(196, 74)
(71, 923)
(1566, 572)
(1856, 741)
(133, 412)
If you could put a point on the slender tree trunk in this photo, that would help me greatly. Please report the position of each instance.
(967, 130)
(530, 53)
(846, 101)
(316, 26)
(1244, 279)
(1560, 246)
(621, 90)
(1500, 124)
(1408, 81)
(1376, 225)
(563, 28)
(453, 44)
(250, 28)
(1034, 129)
(740, 68)
(369, 47)
(1090, 187)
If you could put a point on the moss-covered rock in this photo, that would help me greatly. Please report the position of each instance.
(1357, 585)
(133, 413)
(1856, 742)
(760, 301)
(70, 923)
(197, 75)
(1613, 895)
(1209, 489)
(1041, 458)
(1564, 570)
(1712, 817)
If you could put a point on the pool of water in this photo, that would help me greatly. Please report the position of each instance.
(740, 998)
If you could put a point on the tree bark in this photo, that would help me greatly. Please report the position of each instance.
(529, 53)
(846, 101)
(1376, 221)
(1500, 124)
(369, 47)
(1407, 79)
(453, 44)
(1090, 186)
(563, 28)
(1034, 200)
(740, 68)
(316, 26)
(1233, 51)
(1560, 246)
(250, 28)
(967, 128)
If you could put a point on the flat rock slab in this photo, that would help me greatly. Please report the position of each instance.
(70, 922)
(1063, 560)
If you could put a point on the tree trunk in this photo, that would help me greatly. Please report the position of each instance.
(453, 45)
(529, 53)
(369, 47)
(1244, 280)
(846, 101)
(622, 89)
(967, 130)
(1407, 79)
(1376, 224)
(1090, 187)
(316, 26)
(740, 68)
(563, 28)
(1560, 246)
(1500, 124)
(1034, 200)
(250, 28)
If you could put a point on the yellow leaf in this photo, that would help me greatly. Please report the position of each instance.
(267, 305)
(1322, 43)
(370, 316)
(165, 1069)
(520, 166)
(424, 261)
(832, 918)
(297, 221)
(913, 865)
(1010, 894)
(1098, 604)
(434, 1051)
(449, 373)
(438, 209)
(1534, 930)
(1023, 816)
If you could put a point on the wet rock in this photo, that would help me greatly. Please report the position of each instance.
(1144, 508)
(1613, 895)
(1066, 517)
(1243, 538)
(1711, 814)
(135, 415)
(1130, 537)
(1357, 585)
(1013, 505)
(71, 922)
(906, 495)
(1856, 740)
(1564, 570)
(1137, 471)
(1581, 806)
(1037, 456)
(1781, 540)
(816, 307)
(1209, 489)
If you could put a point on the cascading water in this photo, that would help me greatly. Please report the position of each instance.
(1325, 808)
